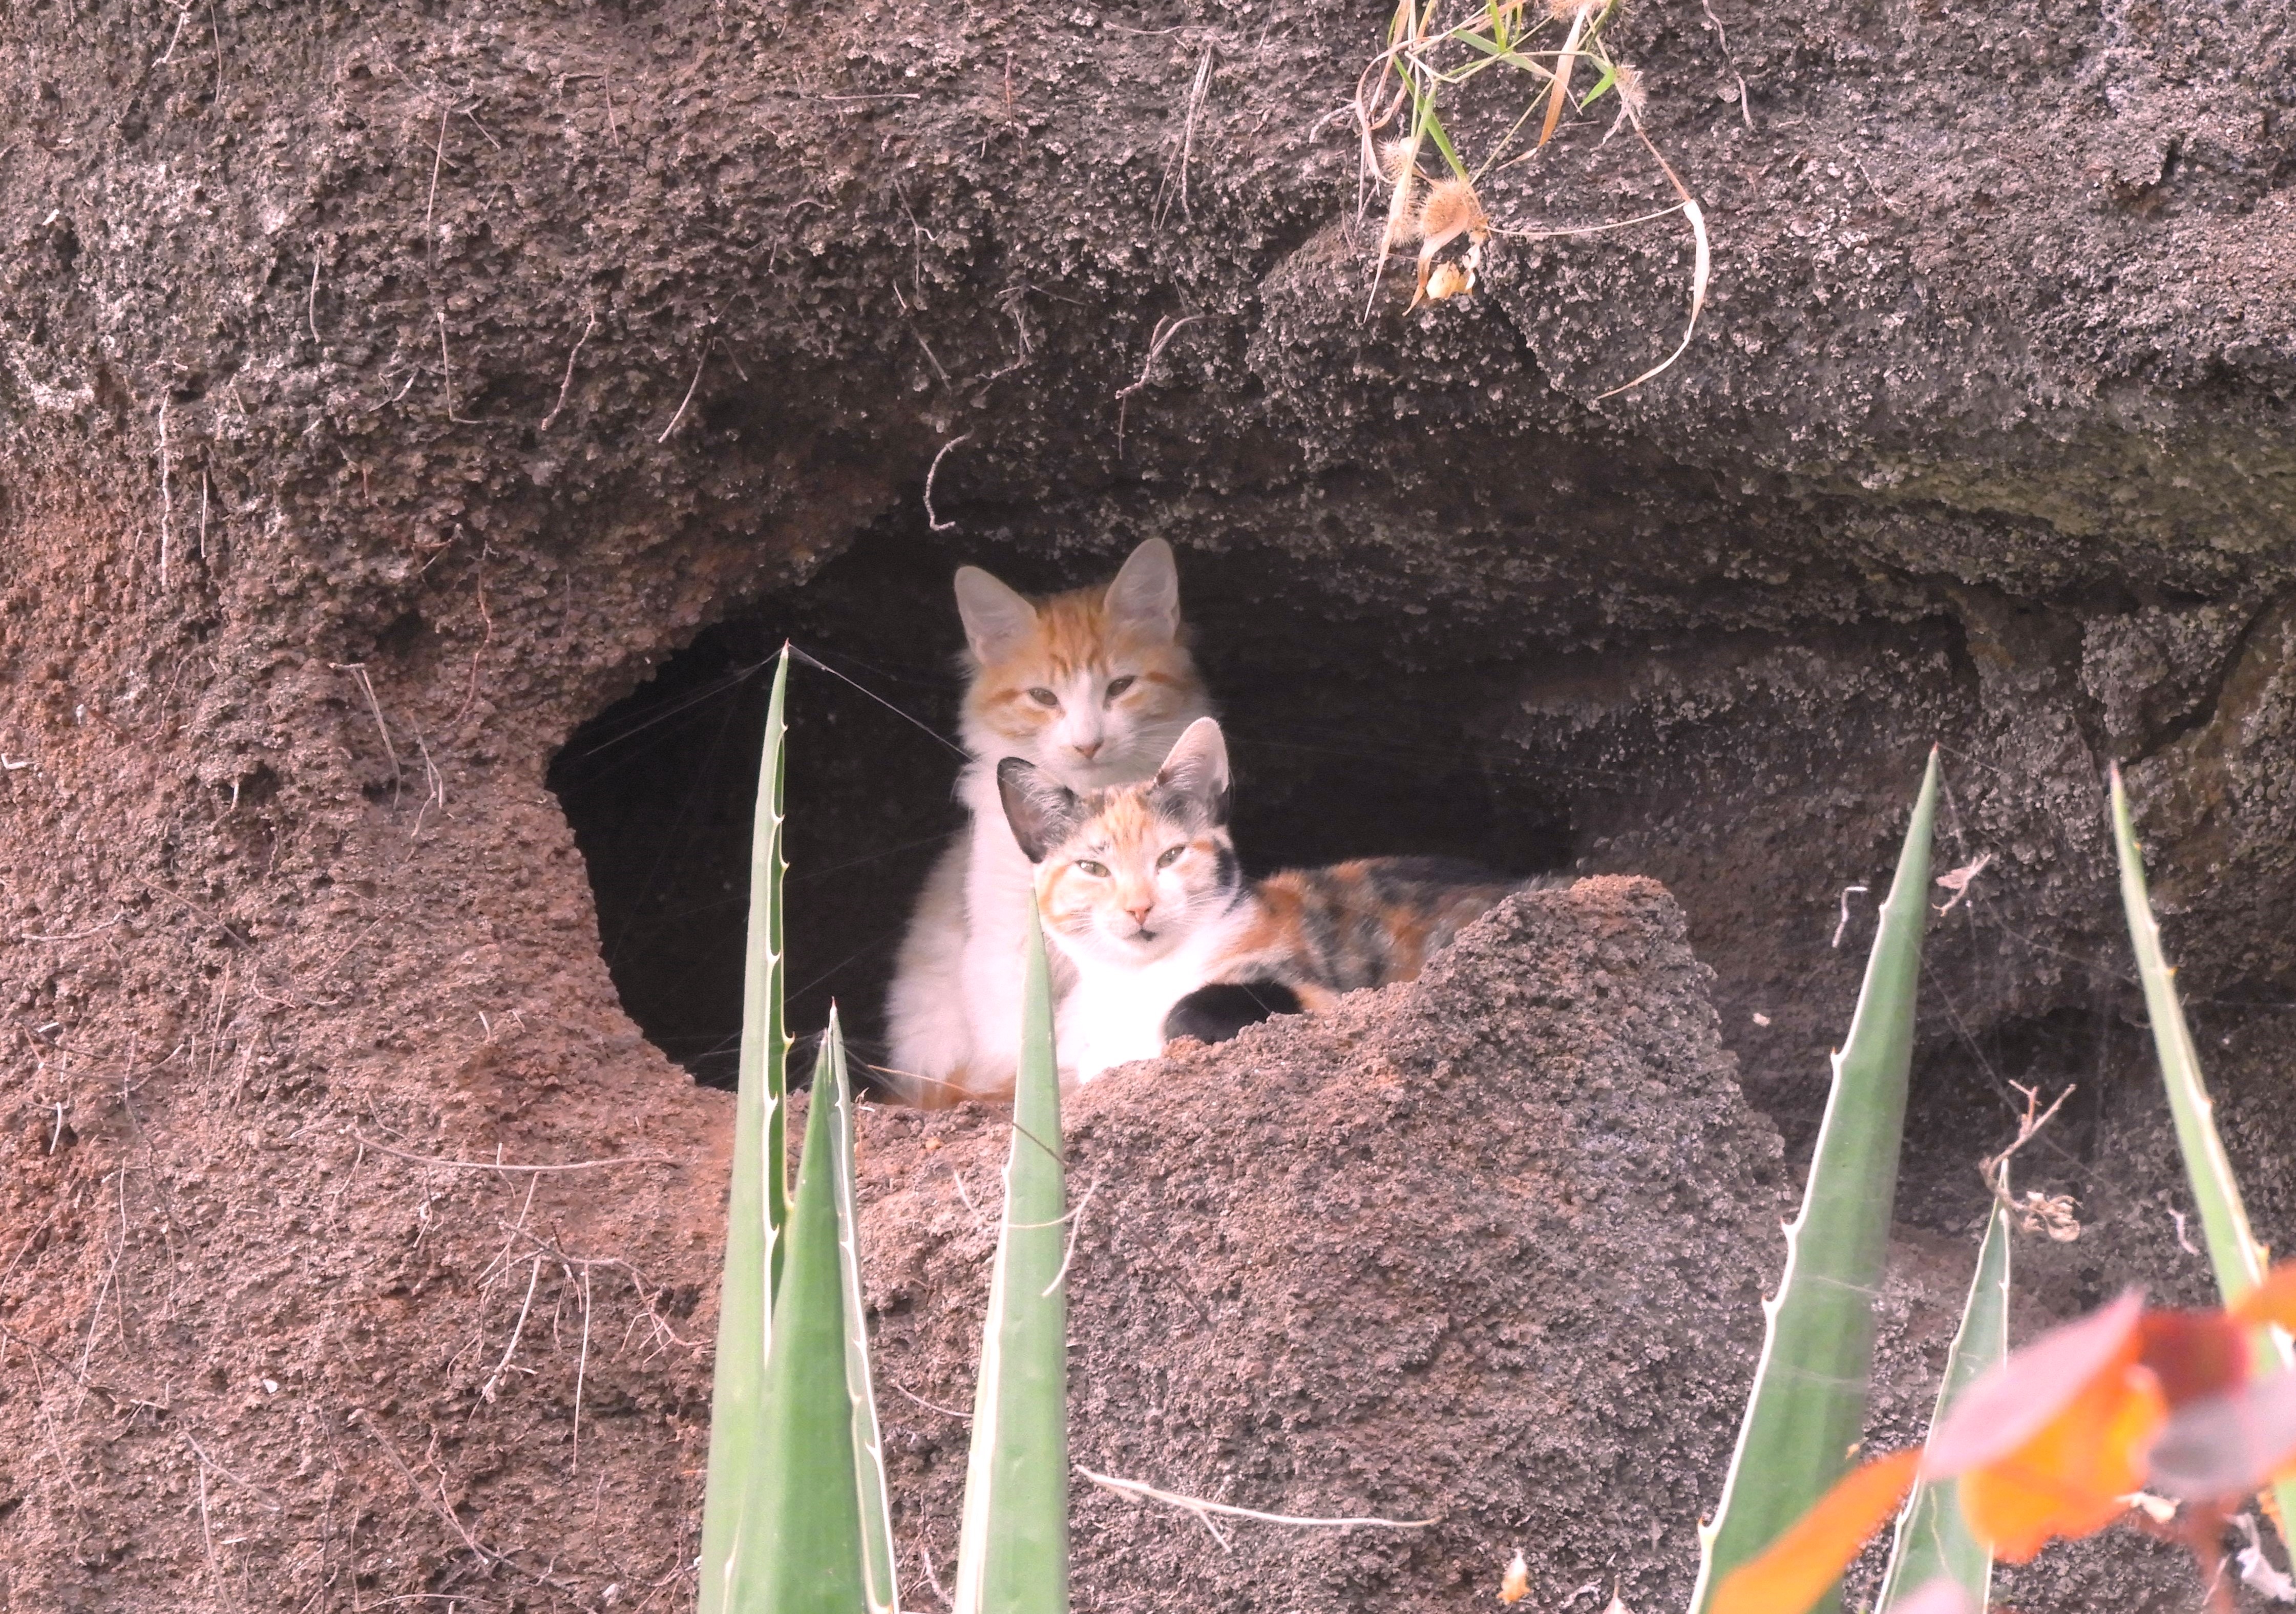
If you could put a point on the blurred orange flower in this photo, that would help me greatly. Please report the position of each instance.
(2052, 1442)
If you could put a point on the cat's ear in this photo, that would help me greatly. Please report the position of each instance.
(1146, 593)
(1197, 768)
(1042, 811)
(996, 618)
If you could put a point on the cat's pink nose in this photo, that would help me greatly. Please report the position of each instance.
(1088, 750)
(1140, 912)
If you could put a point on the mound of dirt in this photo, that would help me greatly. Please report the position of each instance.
(1486, 1248)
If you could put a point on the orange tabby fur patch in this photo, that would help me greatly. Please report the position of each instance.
(1074, 632)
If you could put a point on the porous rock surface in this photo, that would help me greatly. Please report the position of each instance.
(1486, 1248)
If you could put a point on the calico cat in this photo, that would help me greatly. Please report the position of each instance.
(1090, 688)
(1140, 892)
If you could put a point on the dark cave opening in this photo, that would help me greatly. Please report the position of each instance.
(1338, 753)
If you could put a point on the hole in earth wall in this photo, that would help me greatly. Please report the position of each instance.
(660, 788)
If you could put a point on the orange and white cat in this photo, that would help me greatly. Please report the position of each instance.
(1091, 688)
(1140, 892)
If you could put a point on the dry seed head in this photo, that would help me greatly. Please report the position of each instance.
(1402, 221)
(1452, 210)
(1394, 158)
(1564, 11)
(1632, 93)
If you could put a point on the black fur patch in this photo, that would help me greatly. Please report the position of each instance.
(1213, 1014)
(1227, 874)
(1437, 872)
(1042, 811)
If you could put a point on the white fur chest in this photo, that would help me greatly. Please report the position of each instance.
(999, 891)
(1115, 1012)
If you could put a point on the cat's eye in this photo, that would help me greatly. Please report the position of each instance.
(1171, 855)
(1044, 697)
(1086, 865)
(1117, 686)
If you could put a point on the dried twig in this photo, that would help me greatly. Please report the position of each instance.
(486, 1555)
(1167, 328)
(1075, 1219)
(365, 1142)
(1744, 111)
(581, 1369)
(245, 1484)
(358, 670)
(1701, 272)
(1197, 92)
(183, 16)
(1616, 223)
(74, 934)
(471, 695)
(166, 499)
(437, 160)
(2037, 1212)
(933, 1406)
(564, 385)
(1842, 924)
(700, 365)
(446, 377)
(932, 520)
(487, 1390)
(1203, 1509)
(924, 1554)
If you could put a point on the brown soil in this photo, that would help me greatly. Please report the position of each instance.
(385, 395)
(1488, 1248)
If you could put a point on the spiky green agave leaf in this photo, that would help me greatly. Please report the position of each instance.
(1013, 1553)
(1934, 1541)
(877, 1568)
(1807, 1406)
(756, 1207)
(801, 1549)
(2233, 1251)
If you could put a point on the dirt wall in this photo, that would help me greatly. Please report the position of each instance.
(384, 392)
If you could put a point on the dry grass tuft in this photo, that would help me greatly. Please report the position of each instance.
(1429, 61)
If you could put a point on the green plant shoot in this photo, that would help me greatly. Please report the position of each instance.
(1934, 1541)
(756, 1206)
(1012, 1552)
(2232, 1250)
(801, 1548)
(1807, 1408)
(868, 1445)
